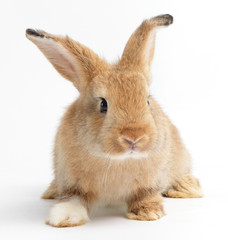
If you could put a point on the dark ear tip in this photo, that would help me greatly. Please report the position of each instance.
(163, 20)
(169, 19)
(32, 32)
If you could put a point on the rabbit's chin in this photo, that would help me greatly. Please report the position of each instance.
(129, 154)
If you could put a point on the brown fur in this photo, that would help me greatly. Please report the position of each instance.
(185, 187)
(87, 141)
(51, 192)
(147, 208)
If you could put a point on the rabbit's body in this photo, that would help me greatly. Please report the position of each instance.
(114, 143)
(113, 180)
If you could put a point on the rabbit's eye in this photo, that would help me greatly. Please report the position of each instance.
(148, 102)
(103, 106)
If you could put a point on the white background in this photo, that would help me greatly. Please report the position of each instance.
(190, 81)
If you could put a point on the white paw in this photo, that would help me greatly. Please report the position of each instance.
(68, 213)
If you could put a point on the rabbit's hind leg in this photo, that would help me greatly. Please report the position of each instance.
(51, 192)
(186, 187)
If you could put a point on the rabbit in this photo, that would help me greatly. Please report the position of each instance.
(114, 142)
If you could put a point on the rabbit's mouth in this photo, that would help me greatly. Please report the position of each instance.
(135, 154)
(131, 142)
(129, 154)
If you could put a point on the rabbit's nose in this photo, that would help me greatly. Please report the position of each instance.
(132, 143)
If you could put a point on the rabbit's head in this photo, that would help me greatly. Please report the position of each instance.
(114, 110)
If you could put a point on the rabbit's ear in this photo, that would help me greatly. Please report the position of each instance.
(139, 50)
(71, 59)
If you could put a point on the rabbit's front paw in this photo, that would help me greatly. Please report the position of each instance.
(143, 215)
(69, 213)
(147, 208)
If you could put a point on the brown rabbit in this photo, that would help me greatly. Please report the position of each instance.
(114, 142)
